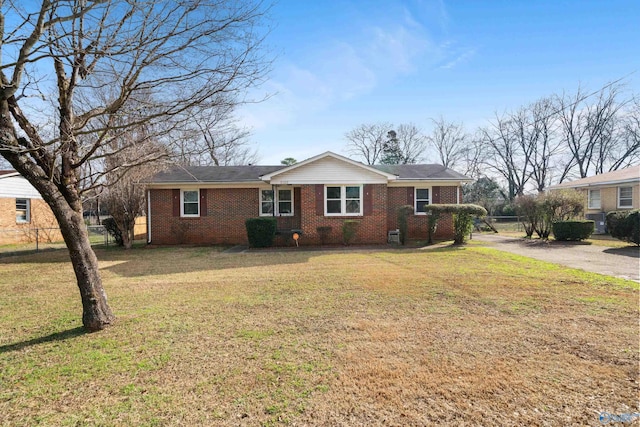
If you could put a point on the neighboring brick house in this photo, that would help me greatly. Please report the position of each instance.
(209, 204)
(606, 192)
(22, 211)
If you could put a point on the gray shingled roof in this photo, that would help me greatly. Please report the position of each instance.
(430, 171)
(214, 174)
(253, 173)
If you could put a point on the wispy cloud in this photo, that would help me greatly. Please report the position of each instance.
(376, 52)
(458, 57)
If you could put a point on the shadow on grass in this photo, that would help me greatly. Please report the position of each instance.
(25, 252)
(57, 336)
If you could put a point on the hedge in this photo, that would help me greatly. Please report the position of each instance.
(624, 225)
(466, 208)
(462, 218)
(573, 230)
(261, 231)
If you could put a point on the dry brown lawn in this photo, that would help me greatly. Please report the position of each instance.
(452, 336)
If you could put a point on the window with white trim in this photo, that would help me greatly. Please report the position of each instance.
(283, 205)
(421, 199)
(190, 203)
(23, 211)
(285, 202)
(266, 202)
(343, 200)
(625, 197)
(594, 199)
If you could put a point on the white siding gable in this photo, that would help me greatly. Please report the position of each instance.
(329, 170)
(17, 187)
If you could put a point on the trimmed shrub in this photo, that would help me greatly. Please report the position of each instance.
(462, 214)
(538, 213)
(573, 230)
(625, 225)
(403, 221)
(261, 231)
(112, 228)
(349, 229)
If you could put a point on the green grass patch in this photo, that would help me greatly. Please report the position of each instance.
(411, 337)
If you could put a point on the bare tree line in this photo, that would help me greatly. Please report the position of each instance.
(551, 140)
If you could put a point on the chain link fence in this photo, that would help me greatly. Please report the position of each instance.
(23, 240)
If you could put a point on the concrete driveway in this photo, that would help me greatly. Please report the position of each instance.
(618, 262)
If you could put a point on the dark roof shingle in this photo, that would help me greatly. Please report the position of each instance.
(250, 173)
(426, 171)
(214, 174)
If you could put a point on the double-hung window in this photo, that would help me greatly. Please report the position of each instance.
(422, 199)
(594, 199)
(190, 203)
(23, 211)
(343, 200)
(283, 205)
(266, 202)
(625, 197)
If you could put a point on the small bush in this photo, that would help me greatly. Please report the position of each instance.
(112, 228)
(573, 230)
(463, 215)
(403, 221)
(624, 225)
(261, 231)
(324, 232)
(349, 229)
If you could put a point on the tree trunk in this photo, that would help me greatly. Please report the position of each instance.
(127, 234)
(96, 314)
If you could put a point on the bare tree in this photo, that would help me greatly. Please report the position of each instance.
(123, 193)
(154, 60)
(403, 146)
(627, 152)
(212, 137)
(367, 141)
(545, 146)
(589, 129)
(507, 144)
(412, 143)
(450, 141)
(383, 143)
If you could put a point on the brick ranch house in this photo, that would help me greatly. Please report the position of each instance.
(209, 204)
(22, 211)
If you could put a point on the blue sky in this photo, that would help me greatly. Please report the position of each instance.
(341, 63)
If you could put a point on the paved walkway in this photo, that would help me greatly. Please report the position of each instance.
(619, 262)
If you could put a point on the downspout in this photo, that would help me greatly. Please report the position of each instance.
(148, 217)
(275, 202)
(458, 195)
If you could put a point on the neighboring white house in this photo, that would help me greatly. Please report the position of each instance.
(22, 210)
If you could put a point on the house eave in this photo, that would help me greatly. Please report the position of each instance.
(596, 184)
(403, 182)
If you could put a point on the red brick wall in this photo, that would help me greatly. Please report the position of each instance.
(399, 196)
(371, 230)
(226, 210)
